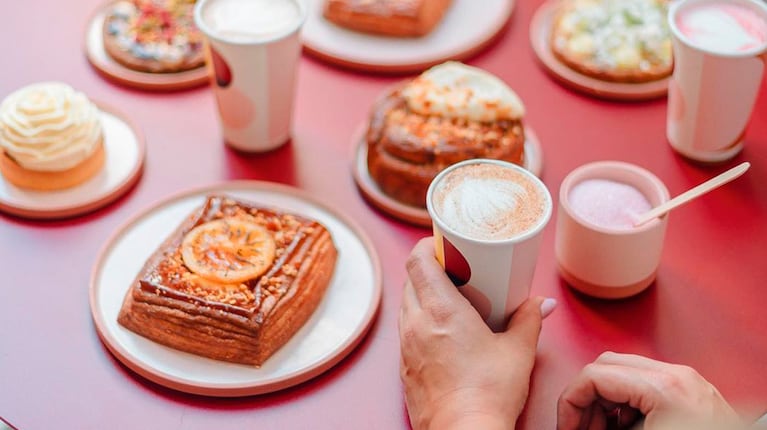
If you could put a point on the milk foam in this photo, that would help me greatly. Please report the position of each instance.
(455, 90)
(722, 27)
(251, 20)
(488, 202)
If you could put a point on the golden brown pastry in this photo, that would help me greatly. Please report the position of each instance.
(234, 282)
(402, 18)
(450, 113)
(50, 137)
(614, 40)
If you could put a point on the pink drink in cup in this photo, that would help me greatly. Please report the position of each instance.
(719, 61)
(722, 27)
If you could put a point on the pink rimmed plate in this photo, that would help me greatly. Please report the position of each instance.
(337, 326)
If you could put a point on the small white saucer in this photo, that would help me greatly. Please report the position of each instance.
(125, 149)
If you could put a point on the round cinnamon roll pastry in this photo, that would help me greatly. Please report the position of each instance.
(450, 113)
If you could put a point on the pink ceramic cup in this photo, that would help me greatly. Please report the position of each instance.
(603, 261)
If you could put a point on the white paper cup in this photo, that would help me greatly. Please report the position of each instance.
(494, 275)
(711, 93)
(253, 82)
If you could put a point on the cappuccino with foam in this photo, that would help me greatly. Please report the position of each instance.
(488, 218)
(489, 201)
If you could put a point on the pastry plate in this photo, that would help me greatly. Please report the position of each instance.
(125, 148)
(465, 30)
(540, 32)
(411, 214)
(333, 331)
(116, 72)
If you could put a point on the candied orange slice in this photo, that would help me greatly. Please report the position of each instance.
(228, 250)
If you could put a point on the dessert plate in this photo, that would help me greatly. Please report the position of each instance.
(464, 31)
(411, 214)
(125, 148)
(540, 33)
(116, 72)
(334, 330)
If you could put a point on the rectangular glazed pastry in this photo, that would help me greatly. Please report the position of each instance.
(403, 18)
(233, 282)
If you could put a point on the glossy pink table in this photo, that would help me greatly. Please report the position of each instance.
(707, 308)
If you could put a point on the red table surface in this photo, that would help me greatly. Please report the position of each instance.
(705, 310)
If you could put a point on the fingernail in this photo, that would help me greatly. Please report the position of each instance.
(547, 307)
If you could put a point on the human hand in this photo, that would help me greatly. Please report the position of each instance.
(457, 373)
(669, 396)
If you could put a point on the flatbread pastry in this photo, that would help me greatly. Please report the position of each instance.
(614, 40)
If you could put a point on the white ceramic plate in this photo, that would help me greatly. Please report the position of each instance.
(124, 147)
(467, 27)
(336, 327)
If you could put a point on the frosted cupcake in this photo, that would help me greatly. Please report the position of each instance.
(50, 136)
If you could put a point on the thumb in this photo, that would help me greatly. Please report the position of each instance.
(525, 324)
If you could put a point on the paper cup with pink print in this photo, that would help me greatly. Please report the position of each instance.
(719, 61)
(488, 216)
(253, 48)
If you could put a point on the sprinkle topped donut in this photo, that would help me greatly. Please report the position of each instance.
(156, 36)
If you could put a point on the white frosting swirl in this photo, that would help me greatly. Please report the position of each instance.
(49, 126)
(455, 90)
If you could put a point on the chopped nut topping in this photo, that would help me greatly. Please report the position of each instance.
(289, 270)
(171, 272)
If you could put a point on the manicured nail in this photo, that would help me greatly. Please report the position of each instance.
(548, 306)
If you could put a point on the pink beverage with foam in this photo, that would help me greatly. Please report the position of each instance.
(608, 204)
(722, 26)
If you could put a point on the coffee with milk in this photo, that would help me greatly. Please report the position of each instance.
(248, 21)
(489, 202)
